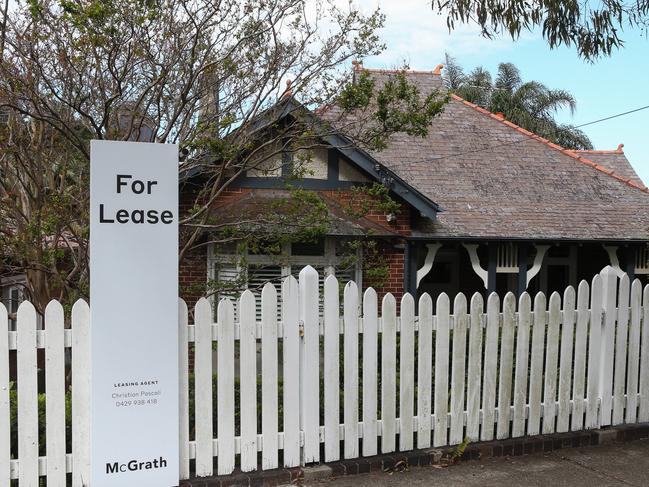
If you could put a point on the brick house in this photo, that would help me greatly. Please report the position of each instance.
(485, 206)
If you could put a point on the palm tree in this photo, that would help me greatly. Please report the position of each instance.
(530, 104)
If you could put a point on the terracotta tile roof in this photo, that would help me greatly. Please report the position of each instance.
(494, 179)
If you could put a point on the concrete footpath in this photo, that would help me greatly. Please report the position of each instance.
(618, 464)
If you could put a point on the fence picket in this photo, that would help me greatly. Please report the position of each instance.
(332, 369)
(440, 429)
(551, 359)
(490, 368)
(80, 394)
(5, 423)
(388, 373)
(291, 350)
(351, 370)
(634, 353)
(579, 373)
(27, 396)
(310, 364)
(506, 365)
(565, 362)
(522, 363)
(55, 394)
(474, 376)
(424, 371)
(248, 380)
(203, 389)
(183, 390)
(458, 371)
(407, 372)
(621, 337)
(269, 397)
(567, 350)
(536, 365)
(609, 282)
(370, 371)
(594, 354)
(225, 386)
(643, 412)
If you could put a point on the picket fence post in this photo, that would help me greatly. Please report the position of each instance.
(310, 364)
(5, 423)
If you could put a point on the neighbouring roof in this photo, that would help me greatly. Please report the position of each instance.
(494, 179)
(253, 207)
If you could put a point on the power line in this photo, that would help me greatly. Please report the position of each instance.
(613, 116)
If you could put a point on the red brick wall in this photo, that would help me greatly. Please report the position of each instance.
(193, 268)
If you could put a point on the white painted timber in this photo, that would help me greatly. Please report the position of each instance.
(579, 372)
(474, 375)
(440, 427)
(424, 371)
(370, 372)
(55, 394)
(609, 281)
(183, 390)
(594, 354)
(310, 364)
(203, 388)
(27, 384)
(621, 337)
(269, 391)
(407, 373)
(565, 360)
(522, 364)
(634, 353)
(506, 366)
(225, 386)
(458, 369)
(551, 360)
(536, 365)
(248, 381)
(490, 368)
(5, 429)
(351, 370)
(332, 369)
(388, 373)
(80, 394)
(643, 411)
(291, 350)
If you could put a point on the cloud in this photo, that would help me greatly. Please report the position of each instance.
(416, 34)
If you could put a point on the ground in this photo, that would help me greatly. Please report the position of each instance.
(606, 466)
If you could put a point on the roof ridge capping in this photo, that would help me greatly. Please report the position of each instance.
(619, 150)
(575, 154)
(358, 66)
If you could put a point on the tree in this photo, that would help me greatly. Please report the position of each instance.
(594, 28)
(530, 104)
(208, 75)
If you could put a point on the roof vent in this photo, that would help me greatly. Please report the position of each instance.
(438, 69)
(620, 147)
(500, 115)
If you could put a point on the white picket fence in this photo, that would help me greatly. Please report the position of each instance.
(402, 381)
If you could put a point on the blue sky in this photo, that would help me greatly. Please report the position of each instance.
(416, 35)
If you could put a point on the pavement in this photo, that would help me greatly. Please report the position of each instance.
(621, 464)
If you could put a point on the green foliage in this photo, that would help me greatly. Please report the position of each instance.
(531, 104)
(593, 28)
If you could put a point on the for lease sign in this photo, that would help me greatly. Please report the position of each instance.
(134, 313)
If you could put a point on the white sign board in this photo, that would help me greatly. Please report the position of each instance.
(134, 313)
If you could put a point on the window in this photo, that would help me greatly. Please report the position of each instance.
(13, 296)
(225, 266)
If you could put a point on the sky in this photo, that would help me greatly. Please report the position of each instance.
(415, 34)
